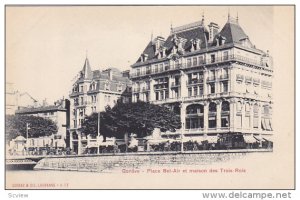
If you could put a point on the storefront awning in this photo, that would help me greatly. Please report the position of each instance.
(249, 139)
(212, 139)
(267, 138)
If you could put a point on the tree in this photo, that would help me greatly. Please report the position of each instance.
(139, 118)
(15, 125)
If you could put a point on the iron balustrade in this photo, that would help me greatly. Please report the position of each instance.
(231, 57)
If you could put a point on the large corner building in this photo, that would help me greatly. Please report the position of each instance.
(215, 78)
(92, 91)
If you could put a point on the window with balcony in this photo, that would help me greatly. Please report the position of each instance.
(81, 101)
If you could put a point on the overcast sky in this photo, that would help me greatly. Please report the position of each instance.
(46, 46)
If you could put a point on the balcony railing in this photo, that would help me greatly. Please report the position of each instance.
(231, 57)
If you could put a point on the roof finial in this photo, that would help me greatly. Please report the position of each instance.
(171, 27)
(86, 54)
(228, 14)
(202, 17)
(237, 17)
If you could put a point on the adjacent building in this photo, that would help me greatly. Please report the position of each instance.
(59, 113)
(92, 91)
(216, 79)
(16, 99)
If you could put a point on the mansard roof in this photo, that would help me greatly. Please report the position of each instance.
(231, 33)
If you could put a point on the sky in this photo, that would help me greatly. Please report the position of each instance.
(46, 46)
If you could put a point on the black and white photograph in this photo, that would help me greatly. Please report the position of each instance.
(149, 97)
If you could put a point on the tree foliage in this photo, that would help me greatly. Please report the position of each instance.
(139, 118)
(15, 125)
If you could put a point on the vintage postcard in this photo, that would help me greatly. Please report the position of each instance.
(149, 97)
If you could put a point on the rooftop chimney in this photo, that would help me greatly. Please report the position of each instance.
(213, 30)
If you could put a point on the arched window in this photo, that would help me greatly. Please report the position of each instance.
(194, 109)
(212, 107)
(225, 106)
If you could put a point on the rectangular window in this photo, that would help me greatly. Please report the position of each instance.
(212, 88)
(195, 61)
(213, 58)
(161, 94)
(212, 122)
(138, 72)
(157, 96)
(201, 90)
(176, 64)
(190, 92)
(156, 68)
(161, 67)
(81, 88)
(225, 86)
(225, 55)
(148, 70)
(201, 60)
(166, 94)
(189, 62)
(195, 91)
(167, 66)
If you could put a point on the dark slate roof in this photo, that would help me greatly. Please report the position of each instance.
(233, 33)
(197, 32)
(40, 109)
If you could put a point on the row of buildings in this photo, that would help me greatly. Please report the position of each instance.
(215, 78)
